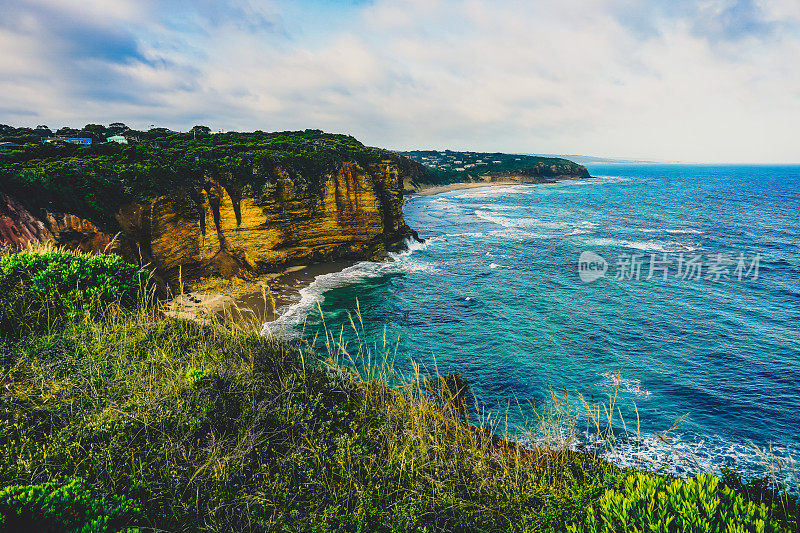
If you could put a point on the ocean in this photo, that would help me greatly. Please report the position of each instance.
(672, 291)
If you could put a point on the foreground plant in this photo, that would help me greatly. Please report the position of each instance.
(652, 503)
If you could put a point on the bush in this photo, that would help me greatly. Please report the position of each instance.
(71, 506)
(44, 289)
(655, 503)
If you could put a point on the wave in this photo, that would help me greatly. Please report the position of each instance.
(646, 246)
(674, 231)
(679, 454)
(612, 380)
(583, 228)
(469, 234)
(514, 234)
(294, 315)
(498, 190)
(522, 222)
(687, 455)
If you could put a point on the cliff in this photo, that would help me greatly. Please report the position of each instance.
(19, 228)
(227, 205)
(356, 214)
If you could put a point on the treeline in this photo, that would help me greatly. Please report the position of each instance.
(94, 181)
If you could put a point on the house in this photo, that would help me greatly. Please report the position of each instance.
(9, 146)
(82, 141)
(117, 139)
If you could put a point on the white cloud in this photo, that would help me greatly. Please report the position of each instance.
(614, 78)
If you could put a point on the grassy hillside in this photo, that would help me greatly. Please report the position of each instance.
(94, 181)
(114, 418)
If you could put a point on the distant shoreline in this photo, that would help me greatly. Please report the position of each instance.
(428, 190)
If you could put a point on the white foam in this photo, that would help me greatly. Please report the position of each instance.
(614, 381)
(682, 455)
(506, 222)
(673, 231)
(472, 234)
(522, 222)
(519, 235)
(495, 191)
(647, 246)
(687, 455)
(294, 315)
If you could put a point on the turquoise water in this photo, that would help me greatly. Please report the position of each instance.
(495, 294)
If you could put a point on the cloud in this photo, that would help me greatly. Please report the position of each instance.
(706, 80)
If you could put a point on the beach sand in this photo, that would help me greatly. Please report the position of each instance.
(247, 303)
(428, 190)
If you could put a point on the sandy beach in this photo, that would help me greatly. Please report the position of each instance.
(248, 303)
(428, 190)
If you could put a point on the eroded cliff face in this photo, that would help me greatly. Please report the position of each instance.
(19, 228)
(354, 213)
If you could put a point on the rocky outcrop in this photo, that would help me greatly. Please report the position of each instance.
(19, 228)
(354, 212)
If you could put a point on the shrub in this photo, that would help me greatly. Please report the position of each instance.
(43, 289)
(647, 502)
(71, 506)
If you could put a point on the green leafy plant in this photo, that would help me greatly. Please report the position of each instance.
(41, 289)
(646, 502)
(69, 507)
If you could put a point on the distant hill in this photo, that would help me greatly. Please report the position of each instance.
(448, 166)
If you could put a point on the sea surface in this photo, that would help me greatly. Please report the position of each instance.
(703, 368)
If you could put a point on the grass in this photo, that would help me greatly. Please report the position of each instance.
(208, 428)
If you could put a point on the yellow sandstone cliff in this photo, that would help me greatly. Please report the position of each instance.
(354, 212)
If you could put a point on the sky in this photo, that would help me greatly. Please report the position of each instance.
(680, 80)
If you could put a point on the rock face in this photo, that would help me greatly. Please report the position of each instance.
(356, 213)
(19, 228)
(353, 213)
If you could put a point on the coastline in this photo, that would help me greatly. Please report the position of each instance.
(429, 190)
(425, 189)
(248, 303)
(251, 303)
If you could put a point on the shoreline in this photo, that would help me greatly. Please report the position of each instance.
(248, 303)
(430, 190)
(251, 303)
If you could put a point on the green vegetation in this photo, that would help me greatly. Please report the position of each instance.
(207, 428)
(648, 503)
(68, 507)
(448, 166)
(93, 182)
(41, 289)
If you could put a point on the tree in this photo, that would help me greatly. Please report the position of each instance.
(116, 128)
(200, 131)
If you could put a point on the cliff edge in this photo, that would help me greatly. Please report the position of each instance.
(227, 205)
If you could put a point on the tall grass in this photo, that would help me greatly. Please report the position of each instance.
(212, 428)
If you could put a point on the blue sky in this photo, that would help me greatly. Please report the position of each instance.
(706, 81)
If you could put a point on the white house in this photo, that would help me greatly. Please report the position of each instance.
(117, 139)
